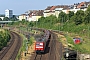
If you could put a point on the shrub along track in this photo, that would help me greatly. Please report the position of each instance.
(11, 50)
(53, 50)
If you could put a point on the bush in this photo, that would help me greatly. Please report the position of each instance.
(4, 38)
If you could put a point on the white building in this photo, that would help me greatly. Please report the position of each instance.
(22, 16)
(57, 11)
(8, 13)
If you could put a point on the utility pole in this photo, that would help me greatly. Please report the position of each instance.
(59, 21)
(36, 23)
(62, 22)
(1, 25)
(27, 46)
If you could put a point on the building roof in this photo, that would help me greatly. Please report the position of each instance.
(22, 14)
(53, 8)
(87, 3)
(48, 8)
(62, 6)
(58, 6)
(81, 4)
(36, 13)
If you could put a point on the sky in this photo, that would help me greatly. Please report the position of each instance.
(21, 6)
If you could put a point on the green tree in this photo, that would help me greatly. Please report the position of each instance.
(79, 17)
(88, 10)
(71, 13)
(30, 24)
(51, 19)
(2, 15)
(87, 15)
(6, 19)
(72, 19)
(62, 17)
(23, 21)
(4, 38)
(41, 19)
(47, 21)
(0, 19)
(13, 18)
(87, 18)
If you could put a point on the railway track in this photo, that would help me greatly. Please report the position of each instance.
(53, 47)
(58, 47)
(38, 57)
(53, 50)
(11, 50)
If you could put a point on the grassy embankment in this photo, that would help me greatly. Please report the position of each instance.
(23, 48)
(30, 41)
(82, 31)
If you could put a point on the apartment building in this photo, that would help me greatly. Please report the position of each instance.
(55, 10)
(8, 13)
(35, 15)
(22, 16)
(31, 15)
(50, 10)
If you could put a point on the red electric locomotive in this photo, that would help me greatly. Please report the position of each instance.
(40, 44)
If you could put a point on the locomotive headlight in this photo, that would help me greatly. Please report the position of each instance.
(41, 43)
